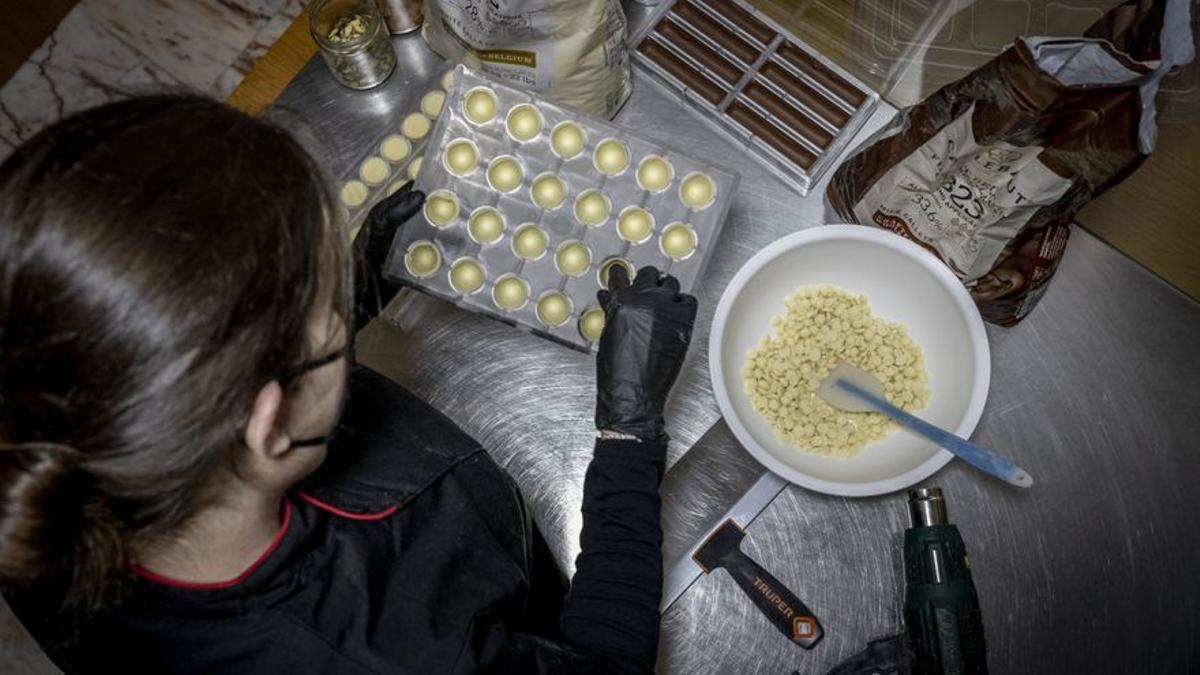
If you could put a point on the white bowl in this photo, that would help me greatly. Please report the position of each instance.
(903, 283)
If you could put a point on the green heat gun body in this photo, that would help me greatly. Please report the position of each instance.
(941, 607)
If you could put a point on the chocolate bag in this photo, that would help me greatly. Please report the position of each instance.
(573, 50)
(988, 172)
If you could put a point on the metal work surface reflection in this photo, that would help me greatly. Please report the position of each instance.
(1093, 394)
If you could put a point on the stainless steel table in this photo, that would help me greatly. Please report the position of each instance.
(1094, 394)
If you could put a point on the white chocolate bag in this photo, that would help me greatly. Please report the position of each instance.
(572, 50)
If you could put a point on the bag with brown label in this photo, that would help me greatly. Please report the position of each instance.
(573, 50)
(988, 172)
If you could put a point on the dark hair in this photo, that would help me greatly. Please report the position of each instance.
(159, 259)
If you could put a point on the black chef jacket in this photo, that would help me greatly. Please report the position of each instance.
(410, 550)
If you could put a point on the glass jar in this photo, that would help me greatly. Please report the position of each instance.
(354, 41)
(403, 16)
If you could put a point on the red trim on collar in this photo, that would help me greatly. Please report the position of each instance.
(214, 585)
(378, 515)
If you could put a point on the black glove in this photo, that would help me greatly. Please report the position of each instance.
(372, 292)
(648, 326)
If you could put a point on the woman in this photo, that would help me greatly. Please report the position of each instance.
(176, 492)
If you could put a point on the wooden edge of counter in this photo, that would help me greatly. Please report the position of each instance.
(276, 69)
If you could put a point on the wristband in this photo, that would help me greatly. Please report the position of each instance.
(610, 435)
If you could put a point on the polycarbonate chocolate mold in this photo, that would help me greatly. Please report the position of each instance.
(398, 149)
(531, 204)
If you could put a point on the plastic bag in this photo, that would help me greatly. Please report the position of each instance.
(989, 171)
(573, 50)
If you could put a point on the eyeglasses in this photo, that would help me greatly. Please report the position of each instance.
(295, 372)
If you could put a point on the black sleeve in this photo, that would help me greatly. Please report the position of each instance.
(609, 617)
(612, 607)
(609, 623)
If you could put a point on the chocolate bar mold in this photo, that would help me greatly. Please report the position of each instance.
(760, 86)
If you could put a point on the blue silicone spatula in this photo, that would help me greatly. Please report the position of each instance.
(855, 390)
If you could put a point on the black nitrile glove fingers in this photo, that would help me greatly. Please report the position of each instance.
(372, 292)
(641, 355)
(647, 277)
(646, 336)
(618, 277)
(381, 223)
(401, 205)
